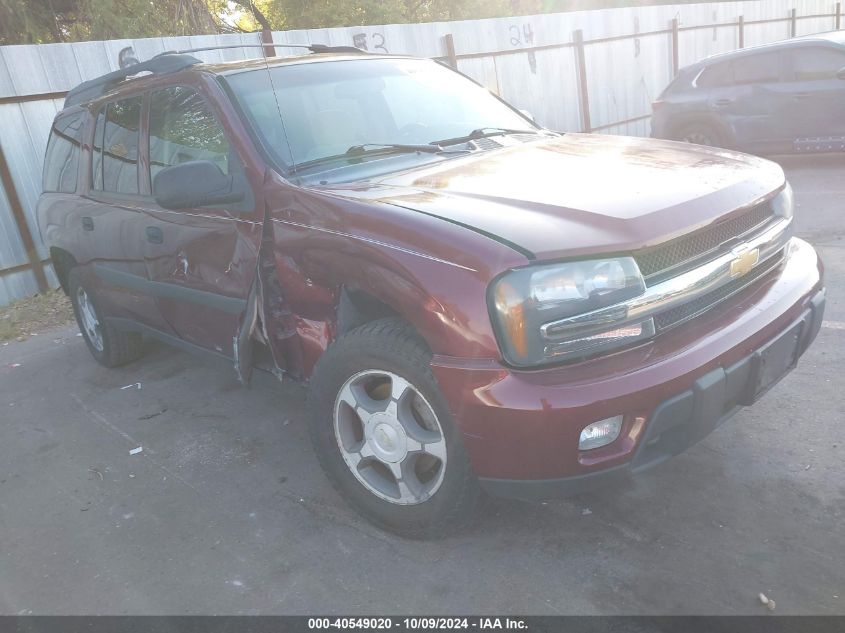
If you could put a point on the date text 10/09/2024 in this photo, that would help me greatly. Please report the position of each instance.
(423, 623)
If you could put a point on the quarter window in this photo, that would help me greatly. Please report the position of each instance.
(182, 129)
(61, 162)
(114, 165)
(716, 75)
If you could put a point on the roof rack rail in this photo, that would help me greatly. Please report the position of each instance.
(172, 61)
(160, 64)
(314, 48)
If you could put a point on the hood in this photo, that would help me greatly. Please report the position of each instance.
(581, 193)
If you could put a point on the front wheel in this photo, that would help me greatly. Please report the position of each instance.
(384, 435)
(700, 134)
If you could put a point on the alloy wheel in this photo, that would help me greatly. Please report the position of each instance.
(90, 322)
(698, 138)
(390, 438)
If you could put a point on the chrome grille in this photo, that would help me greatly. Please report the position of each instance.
(673, 257)
(676, 316)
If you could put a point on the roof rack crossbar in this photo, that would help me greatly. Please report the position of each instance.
(94, 88)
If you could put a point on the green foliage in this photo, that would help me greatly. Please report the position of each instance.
(42, 21)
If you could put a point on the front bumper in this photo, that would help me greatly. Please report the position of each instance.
(684, 419)
(521, 428)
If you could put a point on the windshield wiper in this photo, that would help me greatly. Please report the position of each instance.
(483, 132)
(367, 148)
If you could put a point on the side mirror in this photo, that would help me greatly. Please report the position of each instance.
(840, 74)
(197, 183)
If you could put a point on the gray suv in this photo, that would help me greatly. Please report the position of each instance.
(777, 98)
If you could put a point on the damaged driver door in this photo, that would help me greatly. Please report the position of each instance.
(204, 226)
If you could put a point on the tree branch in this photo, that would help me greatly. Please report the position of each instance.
(259, 17)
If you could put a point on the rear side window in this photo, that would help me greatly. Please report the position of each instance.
(183, 128)
(757, 69)
(811, 64)
(61, 162)
(114, 162)
(716, 75)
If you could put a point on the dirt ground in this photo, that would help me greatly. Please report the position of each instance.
(34, 315)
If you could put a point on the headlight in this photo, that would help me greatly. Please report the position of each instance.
(527, 302)
(783, 203)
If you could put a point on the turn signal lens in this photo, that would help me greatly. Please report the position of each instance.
(510, 304)
(600, 433)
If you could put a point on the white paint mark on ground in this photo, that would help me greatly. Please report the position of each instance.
(111, 427)
(102, 420)
(834, 325)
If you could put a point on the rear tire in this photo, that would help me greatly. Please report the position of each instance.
(384, 435)
(700, 134)
(109, 347)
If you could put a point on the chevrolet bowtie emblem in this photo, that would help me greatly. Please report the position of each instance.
(744, 262)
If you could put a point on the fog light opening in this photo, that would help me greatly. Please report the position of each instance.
(600, 433)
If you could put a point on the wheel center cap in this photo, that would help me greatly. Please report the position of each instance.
(387, 438)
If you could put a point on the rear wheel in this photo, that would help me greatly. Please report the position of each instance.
(384, 435)
(700, 134)
(110, 347)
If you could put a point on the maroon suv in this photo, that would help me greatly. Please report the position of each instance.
(476, 303)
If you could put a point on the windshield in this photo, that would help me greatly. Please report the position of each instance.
(319, 110)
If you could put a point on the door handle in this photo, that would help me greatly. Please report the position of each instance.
(154, 235)
(87, 224)
(720, 103)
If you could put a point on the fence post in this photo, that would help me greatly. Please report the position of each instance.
(793, 22)
(449, 44)
(675, 53)
(581, 62)
(838, 14)
(8, 185)
(267, 40)
(741, 25)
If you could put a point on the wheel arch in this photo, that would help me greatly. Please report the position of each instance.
(704, 119)
(63, 262)
(357, 307)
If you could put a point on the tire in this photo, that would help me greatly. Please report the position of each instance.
(109, 347)
(700, 134)
(379, 364)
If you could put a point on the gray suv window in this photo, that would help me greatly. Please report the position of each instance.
(716, 75)
(61, 162)
(811, 64)
(757, 69)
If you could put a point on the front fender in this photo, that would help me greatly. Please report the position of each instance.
(432, 273)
